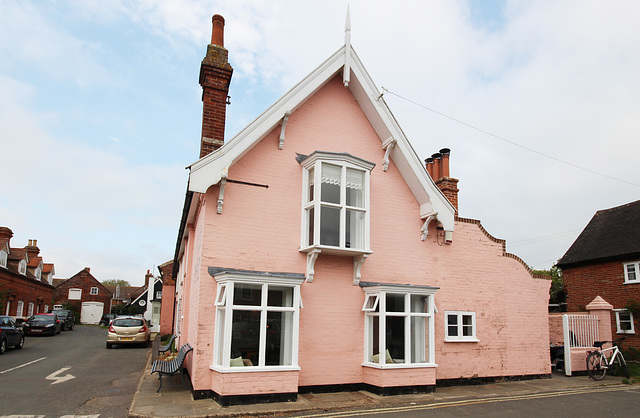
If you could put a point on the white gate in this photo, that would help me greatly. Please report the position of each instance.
(580, 331)
(91, 312)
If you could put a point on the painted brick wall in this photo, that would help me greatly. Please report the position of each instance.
(584, 283)
(259, 229)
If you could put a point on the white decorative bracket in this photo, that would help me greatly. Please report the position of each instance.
(284, 126)
(312, 256)
(387, 146)
(346, 74)
(223, 184)
(425, 226)
(357, 267)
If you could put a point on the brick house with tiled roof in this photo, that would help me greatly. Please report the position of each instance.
(24, 291)
(605, 261)
(85, 295)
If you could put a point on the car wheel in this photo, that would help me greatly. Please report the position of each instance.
(20, 343)
(3, 346)
(109, 345)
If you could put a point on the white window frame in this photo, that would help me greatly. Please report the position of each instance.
(159, 294)
(38, 273)
(635, 266)
(94, 290)
(22, 267)
(224, 320)
(73, 291)
(344, 161)
(30, 308)
(619, 329)
(375, 306)
(19, 309)
(3, 258)
(460, 338)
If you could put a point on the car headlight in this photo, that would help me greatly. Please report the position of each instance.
(50, 325)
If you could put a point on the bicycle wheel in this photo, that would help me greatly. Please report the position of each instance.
(622, 364)
(596, 366)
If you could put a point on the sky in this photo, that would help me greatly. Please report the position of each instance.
(100, 110)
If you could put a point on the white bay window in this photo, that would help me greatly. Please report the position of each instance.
(399, 325)
(257, 317)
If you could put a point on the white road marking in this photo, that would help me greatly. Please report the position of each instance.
(17, 367)
(60, 379)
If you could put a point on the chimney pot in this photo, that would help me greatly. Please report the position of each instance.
(444, 163)
(436, 166)
(429, 164)
(217, 34)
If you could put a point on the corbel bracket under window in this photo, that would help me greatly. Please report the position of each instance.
(357, 267)
(387, 146)
(312, 256)
(282, 129)
(223, 183)
(425, 227)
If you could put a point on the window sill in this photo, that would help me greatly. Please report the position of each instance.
(399, 365)
(625, 332)
(359, 257)
(632, 282)
(253, 369)
(468, 340)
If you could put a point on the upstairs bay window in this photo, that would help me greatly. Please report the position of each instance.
(336, 202)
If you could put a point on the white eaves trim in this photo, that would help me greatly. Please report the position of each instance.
(209, 170)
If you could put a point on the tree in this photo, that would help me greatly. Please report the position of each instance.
(557, 293)
(115, 282)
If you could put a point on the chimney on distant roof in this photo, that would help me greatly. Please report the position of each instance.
(215, 77)
(438, 168)
(146, 278)
(32, 248)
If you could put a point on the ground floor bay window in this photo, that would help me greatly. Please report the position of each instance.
(399, 325)
(257, 320)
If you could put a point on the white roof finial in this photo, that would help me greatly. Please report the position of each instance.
(346, 75)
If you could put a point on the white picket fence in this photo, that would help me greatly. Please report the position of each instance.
(579, 331)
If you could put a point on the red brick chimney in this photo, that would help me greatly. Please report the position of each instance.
(215, 77)
(438, 169)
(32, 248)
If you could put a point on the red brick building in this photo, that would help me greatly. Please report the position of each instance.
(605, 261)
(85, 295)
(24, 281)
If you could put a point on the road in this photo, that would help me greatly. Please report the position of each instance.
(71, 373)
(613, 401)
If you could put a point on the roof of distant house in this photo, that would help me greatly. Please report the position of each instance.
(612, 234)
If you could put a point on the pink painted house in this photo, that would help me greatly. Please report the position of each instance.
(316, 252)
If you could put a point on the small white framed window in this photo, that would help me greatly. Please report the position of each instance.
(94, 291)
(398, 326)
(22, 267)
(460, 326)
(75, 294)
(30, 308)
(624, 322)
(221, 296)
(632, 272)
(159, 294)
(46, 308)
(19, 309)
(38, 273)
(3, 258)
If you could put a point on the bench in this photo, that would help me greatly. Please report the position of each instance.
(167, 346)
(171, 367)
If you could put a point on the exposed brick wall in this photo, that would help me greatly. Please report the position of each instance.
(15, 287)
(584, 283)
(85, 281)
(449, 187)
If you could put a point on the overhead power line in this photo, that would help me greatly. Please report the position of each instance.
(508, 141)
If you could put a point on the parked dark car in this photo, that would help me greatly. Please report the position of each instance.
(107, 318)
(10, 334)
(67, 318)
(42, 324)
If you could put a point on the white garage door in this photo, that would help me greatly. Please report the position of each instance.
(91, 312)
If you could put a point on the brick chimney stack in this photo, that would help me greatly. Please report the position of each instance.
(438, 168)
(215, 77)
(32, 248)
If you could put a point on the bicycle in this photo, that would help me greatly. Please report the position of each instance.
(598, 362)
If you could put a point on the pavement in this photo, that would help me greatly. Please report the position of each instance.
(178, 401)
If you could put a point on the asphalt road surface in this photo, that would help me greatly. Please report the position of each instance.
(70, 374)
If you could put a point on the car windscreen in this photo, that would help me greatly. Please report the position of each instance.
(127, 322)
(61, 313)
(42, 318)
